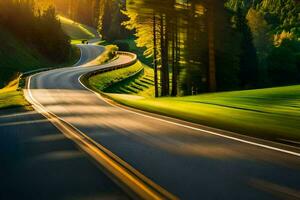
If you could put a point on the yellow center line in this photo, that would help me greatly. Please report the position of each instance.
(142, 186)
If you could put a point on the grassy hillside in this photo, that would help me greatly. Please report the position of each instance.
(76, 30)
(272, 113)
(17, 57)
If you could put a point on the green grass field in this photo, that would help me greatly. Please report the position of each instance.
(77, 31)
(272, 113)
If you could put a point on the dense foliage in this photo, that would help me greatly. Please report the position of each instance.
(30, 39)
(218, 45)
(40, 30)
(202, 45)
(194, 45)
(105, 15)
(275, 32)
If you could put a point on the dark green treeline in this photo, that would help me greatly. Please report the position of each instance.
(203, 45)
(105, 15)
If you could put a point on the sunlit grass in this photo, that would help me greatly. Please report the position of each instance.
(142, 84)
(76, 30)
(269, 113)
(78, 41)
(10, 96)
(105, 80)
(272, 113)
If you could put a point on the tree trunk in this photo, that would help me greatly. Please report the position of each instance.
(166, 58)
(212, 85)
(174, 59)
(155, 56)
(164, 61)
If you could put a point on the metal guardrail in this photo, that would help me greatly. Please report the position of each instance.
(36, 71)
(133, 55)
(93, 73)
(115, 67)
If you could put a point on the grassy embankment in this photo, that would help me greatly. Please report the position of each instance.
(10, 96)
(106, 80)
(272, 113)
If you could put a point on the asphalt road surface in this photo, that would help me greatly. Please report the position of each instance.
(188, 162)
(37, 162)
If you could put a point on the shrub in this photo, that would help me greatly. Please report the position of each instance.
(282, 69)
(123, 46)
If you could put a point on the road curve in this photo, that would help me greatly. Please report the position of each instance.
(189, 163)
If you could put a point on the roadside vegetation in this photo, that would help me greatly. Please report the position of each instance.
(106, 80)
(11, 96)
(207, 45)
(242, 45)
(130, 45)
(108, 54)
(271, 113)
(267, 113)
(140, 83)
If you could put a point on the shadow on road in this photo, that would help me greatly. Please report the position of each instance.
(44, 164)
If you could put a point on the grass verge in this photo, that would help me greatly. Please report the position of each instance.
(272, 113)
(141, 84)
(106, 80)
(11, 96)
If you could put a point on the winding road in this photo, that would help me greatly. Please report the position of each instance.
(180, 159)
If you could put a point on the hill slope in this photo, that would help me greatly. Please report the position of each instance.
(77, 31)
(17, 57)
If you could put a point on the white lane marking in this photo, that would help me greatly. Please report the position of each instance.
(194, 128)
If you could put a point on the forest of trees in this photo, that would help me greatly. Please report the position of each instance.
(201, 45)
(219, 45)
(270, 29)
(105, 15)
(38, 29)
